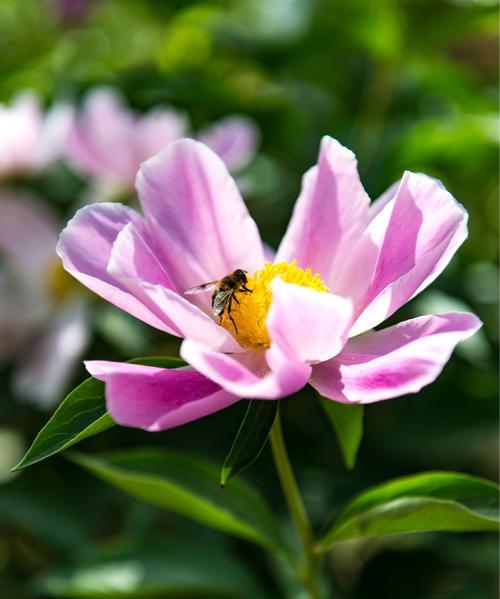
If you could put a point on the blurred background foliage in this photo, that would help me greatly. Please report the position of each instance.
(407, 84)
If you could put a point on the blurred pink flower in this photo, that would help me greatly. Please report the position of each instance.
(75, 11)
(234, 139)
(295, 327)
(30, 140)
(108, 141)
(43, 328)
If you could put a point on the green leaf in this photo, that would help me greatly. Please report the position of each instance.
(45, 516)
(432, 501)
(184, 568)
(125, 333)
(80, 415)
(250, 438)
(187, 486)
(347, 421)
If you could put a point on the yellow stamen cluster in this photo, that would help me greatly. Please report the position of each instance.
(250, 314)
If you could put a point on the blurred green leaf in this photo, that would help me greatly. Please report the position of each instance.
(82, 414)
(250, 438)
(46, 517)
(347, 421)
(190, 487)
(186, 568)
(432, 501)
(127, 334)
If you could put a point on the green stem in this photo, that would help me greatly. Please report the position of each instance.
(295, 506)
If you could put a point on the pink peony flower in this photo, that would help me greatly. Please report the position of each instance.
(108, 141)
(29, 140)
(343, 267)
(43, 326)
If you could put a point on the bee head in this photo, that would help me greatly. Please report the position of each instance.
(241, 275)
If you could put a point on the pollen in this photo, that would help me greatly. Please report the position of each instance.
(250, 313)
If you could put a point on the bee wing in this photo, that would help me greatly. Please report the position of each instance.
(220, 300)
(201, 288)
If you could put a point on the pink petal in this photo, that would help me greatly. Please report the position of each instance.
(156, 129)
(190, 321)
(380, 203)
(269, 253)
(157, 399)
(102, 139)
(85, 247)
(309, 326)
(49, 362)
(395, 361)
(330, 214)
(234, 139)
(20, 127)
(28, 233)
(414, 237)
(133, 264)
(197, 215)
(53, 137)
(132, 258)
(257, 374)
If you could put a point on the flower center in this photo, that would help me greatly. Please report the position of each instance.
(250, 313)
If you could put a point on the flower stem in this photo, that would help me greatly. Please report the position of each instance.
(295, 506)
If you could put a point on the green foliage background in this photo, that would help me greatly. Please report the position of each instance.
(408, 84)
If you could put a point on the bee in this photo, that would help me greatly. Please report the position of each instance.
(225, 292)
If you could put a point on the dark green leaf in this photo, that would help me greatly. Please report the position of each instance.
(250, 438)
(184, 568)
(80, 415)
(432, 501)
(188, 486)
(347, 421)
(45, 517)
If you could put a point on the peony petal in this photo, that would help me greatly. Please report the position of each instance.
(102, 138)
(259, 375)
(308, 325)
(330, 214)
(85, 247)
(133, 264)
(157, 399)
(28, 233)
(415, 235)
(234, 139)
(190, 321)
(197, 215)
(156, 129)
(395, 361)
(269, 253)
(50, 360)
(132, 258)
(53, 137)
(20, 126)
(380, 203)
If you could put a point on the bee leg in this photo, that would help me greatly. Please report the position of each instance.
(229, 306)
(245, 288)
(234, 324)
(235, 298)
